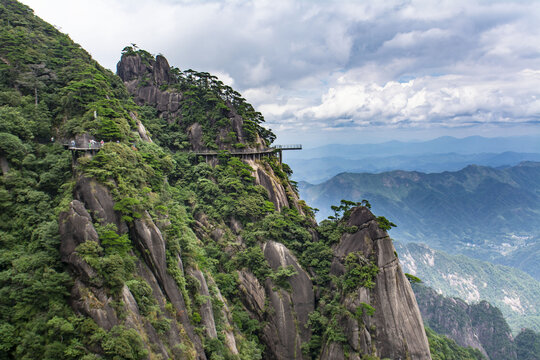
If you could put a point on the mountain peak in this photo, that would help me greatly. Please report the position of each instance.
(141, 65)
(201, 112)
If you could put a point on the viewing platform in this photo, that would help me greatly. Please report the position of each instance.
(82, 149)
(76, 148)
(288, 147)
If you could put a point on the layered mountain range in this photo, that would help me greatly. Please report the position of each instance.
(486, 213)
(318, 164)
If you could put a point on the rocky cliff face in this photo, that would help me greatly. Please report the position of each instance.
(480, 326)
(92, 298)
(395, 329)
(151, 82)
(143, 78)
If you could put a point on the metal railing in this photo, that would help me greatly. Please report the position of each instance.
(82, 147)
(288, 147)
(97, 146)
(234, 152)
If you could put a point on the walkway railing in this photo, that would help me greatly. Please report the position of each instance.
(288, 147)
(82, 148)
(93, 147)
(234, 152)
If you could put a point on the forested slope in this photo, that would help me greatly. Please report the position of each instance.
(144, 250)
(486, 213)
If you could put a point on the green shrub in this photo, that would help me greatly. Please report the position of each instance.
(413, 279)
(359, 272)
(142, 292)
(281, 276)
(384, 223)
(253, 259)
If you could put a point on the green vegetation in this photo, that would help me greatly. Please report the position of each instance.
(282, 275)
(359, 272)
(384, 223)
(528, 345)
(413, 279)
(443, 348)
(50, 87)
(213, 219)
(364, 310)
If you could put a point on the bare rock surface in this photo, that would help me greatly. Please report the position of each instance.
(89, 297)
(267, 179)
(287, 309)
(133, 70)
(75, 227)
(94, 303)
(206, 312)
(399, 330)
(99, 202)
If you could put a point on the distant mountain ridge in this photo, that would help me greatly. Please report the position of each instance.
(441, 145)
(487, 213)
(317, 170)
(318, 164)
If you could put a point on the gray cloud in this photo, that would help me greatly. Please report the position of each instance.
(336, 65)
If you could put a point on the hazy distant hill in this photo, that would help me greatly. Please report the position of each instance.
(481, 325)
(491, 214)
(319, 164)
(321, 169)
(441, 145)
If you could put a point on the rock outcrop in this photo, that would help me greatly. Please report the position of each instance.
(151, 82)
(143, 78)
(480, 326)
(395, 330)
(92, 298)
(284, 311)
(4, 165)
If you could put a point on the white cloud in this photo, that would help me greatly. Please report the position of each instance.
(224, 77)
(450, 100)
(333, 64)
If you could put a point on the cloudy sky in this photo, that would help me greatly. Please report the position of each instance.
(326, 71)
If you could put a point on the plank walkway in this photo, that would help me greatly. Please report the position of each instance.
(254, 153)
